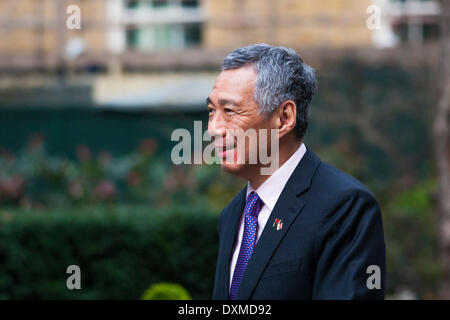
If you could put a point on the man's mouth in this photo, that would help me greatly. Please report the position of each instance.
(222, 150)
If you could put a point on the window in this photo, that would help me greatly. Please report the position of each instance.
(131, 35)
(416, 32)
(414, 21)
(163, 24)
(189, 3)
(431, 31)
(160, 3)
(131, 4)
(192, 35)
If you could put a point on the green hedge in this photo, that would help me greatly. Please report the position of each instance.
(120, 250)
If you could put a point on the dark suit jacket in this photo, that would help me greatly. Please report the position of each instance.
(332, 232)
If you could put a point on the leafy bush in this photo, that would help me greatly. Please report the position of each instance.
(33, 178)
(120, 250)
(166, 291)
(412, 248)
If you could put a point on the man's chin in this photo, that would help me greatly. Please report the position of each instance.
(233, 168)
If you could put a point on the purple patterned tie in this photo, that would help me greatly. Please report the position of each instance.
(248, 241)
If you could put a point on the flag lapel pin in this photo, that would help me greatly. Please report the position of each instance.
(278, 223)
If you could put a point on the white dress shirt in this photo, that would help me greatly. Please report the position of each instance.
(268, 192)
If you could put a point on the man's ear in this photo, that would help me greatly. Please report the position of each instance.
(286, 117)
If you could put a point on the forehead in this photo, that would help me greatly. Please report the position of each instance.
(236, 82)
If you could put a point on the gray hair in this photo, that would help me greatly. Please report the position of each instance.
(281, 75)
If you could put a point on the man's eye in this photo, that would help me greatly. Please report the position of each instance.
(228, 110)
(210, 110)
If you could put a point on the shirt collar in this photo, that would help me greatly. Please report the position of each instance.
(269, 191)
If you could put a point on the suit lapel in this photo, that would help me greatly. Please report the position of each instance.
(287, 208)
(231, 220)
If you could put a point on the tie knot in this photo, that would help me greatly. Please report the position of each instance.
(252, 205)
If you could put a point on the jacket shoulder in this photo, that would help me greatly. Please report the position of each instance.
(332, 181)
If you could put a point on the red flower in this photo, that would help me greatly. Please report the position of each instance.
(12, 187)
(148, 146)
(105, 190)
(75, 189)
(133, 179)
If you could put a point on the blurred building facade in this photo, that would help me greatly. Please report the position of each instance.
(139, 42)
(34, 32)
(329, 23)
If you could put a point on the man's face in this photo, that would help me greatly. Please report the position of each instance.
(231, 106)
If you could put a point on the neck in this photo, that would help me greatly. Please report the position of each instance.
(287, 149)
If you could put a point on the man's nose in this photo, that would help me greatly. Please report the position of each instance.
(216, 127)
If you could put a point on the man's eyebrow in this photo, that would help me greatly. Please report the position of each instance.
(222, 102)
(227, 102)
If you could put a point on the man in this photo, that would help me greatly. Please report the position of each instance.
(308, 230)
